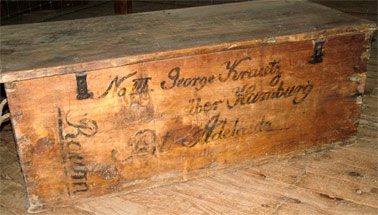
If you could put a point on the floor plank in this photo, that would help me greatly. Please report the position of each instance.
(364, 145)
(284, 182)
(302, 188)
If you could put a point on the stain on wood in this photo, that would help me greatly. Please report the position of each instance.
(158, 121)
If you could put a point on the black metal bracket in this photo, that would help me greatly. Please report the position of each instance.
(318, 51)
(82, 89)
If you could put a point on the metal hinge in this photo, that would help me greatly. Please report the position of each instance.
(82, 90)
(317, 57)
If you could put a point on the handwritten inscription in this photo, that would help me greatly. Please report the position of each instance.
(176, 81)
(217, 129)
(142, 143)
(140, 105)
(114, 86)
(249, 95)
(140, 85)
(233, 74)
(72, 158)
(197, 106)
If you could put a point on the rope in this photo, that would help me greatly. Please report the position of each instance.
(6, 116)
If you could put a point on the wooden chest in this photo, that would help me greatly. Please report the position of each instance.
(120, 103)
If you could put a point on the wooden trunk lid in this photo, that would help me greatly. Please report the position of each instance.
(46, 49)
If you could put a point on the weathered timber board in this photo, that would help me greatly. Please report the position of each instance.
(156, 122)
(104, 42)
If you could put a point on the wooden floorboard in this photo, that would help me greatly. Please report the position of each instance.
(339, 179)
(288, 182)
(365, 145)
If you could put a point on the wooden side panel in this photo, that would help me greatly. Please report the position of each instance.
(153, 123)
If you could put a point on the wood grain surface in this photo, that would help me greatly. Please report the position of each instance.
(333, 181)
(55, 48)
(172, 120)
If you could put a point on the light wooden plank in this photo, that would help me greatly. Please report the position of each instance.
(367, 128)
(320, 164)
(369, 146)
(4, 210)
(267, 187)
(354, 192)
(369, 118)
(298, 196)
(72, 46)
(372, 70)
(370, 101)
(248, 201)
(176, 203)
(179, 202)
(285, 209)
(359, 160)
(66, 211)
(323, 177)
(113, 205)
